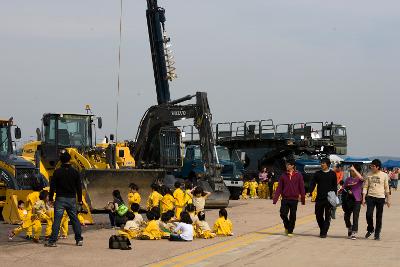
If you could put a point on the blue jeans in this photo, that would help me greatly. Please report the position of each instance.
(69, 205)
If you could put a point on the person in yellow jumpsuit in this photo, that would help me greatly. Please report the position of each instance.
(154, 197)
(246, 186)
(253, 188)
(25, 222)
(188, 194)
(179, 196)
(133, 195)
(131, 228)
(202, 228)
(167, 202)
(223, 226)
(41, 213)
(152, 230)
(31, 199)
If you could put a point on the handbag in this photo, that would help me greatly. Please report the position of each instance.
(122, 209)
(333, 199)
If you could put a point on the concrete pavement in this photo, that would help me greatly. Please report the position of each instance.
(258, 241)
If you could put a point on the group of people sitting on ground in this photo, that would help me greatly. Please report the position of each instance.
(38, 210)
(177, 216)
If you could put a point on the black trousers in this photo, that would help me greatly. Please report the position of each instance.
(289, 206)
(373, 202)
(356, 214)
(323, 215)
(270, 187)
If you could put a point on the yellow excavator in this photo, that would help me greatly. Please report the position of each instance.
(18, 176)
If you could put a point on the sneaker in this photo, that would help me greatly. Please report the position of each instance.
(377, 238)
(79, 243)
(286, 231)
(322, 236)
(50, 244)
(63, 237)
(35, 240)
(290, 235)
(28, 237)
(368, 234)
(353, 237)
(349, 233)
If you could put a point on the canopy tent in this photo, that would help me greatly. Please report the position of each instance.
(357, 159)
(391, 164)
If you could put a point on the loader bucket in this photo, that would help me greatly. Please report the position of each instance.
(99, 185)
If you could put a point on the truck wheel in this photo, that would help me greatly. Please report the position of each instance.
(235, 193)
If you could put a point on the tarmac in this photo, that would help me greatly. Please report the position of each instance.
(258, 241)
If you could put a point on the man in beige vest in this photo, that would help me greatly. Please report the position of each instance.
(375, 194)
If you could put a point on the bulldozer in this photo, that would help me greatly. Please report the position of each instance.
(18, 176)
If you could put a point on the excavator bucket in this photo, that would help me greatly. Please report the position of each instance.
(99, 184)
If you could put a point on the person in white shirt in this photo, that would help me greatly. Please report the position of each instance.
(184, 229)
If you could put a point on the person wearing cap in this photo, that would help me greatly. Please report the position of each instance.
(290, 187)
(66, 183)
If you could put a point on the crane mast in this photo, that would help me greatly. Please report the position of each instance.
(163, 68)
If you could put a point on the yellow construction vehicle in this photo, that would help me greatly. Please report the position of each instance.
(18, 177)
(104, 167)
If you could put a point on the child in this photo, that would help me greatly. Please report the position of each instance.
(199, 198)
(25, 221)
(152, 230)
(223, 226)
(31, 199)
(246, 186)
(253, 188)
(166, 225)
(184, 229)
(179, 196)
(157, 213)
(138, 217)
(188, 196)
(41, 213)
(131, 228)
(191, 209)
(202, 228)
(167, 201)
(154, 197)
(133, 195)
(262, 189)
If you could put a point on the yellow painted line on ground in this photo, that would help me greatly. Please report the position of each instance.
(224, 246)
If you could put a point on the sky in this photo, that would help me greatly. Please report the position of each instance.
(290, 61)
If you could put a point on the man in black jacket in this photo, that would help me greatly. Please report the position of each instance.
(325, 180)
(66, 183)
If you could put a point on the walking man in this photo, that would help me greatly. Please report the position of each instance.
(375, 194)
(67, 185)
(325, 179)
(290, 187)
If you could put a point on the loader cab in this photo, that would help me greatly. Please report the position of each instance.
(6, 142)
(61, 131)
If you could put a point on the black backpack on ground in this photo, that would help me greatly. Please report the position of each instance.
(119, 242)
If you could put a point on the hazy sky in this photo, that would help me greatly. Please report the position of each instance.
(291, 61)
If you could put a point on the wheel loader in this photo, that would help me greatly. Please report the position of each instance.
(18, 176)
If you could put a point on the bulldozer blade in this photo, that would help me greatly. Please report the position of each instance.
(217, 199)
(99, 184)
